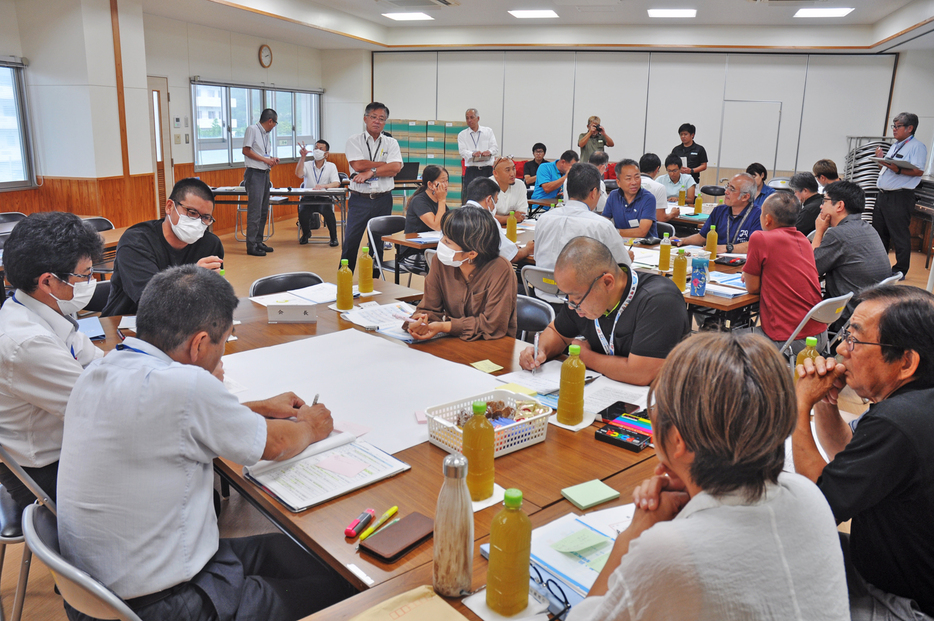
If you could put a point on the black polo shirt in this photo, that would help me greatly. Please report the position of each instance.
(695, 154)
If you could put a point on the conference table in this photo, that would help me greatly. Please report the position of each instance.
(237, 195)
(541, 471)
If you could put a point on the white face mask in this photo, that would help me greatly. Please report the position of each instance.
(446, 255)
(83, 292)
(188, 230)
(318, 154)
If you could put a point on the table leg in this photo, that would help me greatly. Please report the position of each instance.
(398, 252)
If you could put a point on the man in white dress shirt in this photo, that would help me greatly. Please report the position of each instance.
(513, 195)
(478, 148)
(48, 259)
(258, 160)
(376, 159)
(142, 429)
(576, 218)
(649, 165)
(318, 174)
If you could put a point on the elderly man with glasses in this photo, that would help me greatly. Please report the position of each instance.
(877, 470)
(736, 219)
(147, 248)
(630, 321)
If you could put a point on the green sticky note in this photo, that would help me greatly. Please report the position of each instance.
(598, 563)
(487, 366)
(581, 540)
(589, 494)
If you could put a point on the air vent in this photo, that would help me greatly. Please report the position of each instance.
(420, 4)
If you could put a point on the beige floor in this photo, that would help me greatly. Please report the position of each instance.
(238, 518)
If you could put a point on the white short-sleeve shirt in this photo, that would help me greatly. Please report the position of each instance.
(260, 142)
(657, 190)
(515, 198)
(383, 149)
(320, 176)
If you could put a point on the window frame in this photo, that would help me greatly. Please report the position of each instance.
(226, 116)
(22, 108)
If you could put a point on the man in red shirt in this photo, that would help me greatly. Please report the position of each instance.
(780, 268)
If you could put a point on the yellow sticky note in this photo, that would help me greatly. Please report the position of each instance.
(487, 366)
(522, 390)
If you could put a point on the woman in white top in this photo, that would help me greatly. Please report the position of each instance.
(721, 533)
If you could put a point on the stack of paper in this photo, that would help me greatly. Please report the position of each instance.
(373, 316)
(724, 292)
(731, 280)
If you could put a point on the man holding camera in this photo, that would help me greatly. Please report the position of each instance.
(594, 139)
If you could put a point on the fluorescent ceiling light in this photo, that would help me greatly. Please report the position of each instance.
(408, 17)
(673, 13)
(823, 12)
(547, 13)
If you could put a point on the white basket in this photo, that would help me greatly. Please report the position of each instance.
(444, 433)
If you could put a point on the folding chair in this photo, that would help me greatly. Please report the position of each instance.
(891, 280)
(826, 312)
(540, 283)
(532, 315)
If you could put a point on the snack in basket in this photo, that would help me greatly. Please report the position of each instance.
(500, 414)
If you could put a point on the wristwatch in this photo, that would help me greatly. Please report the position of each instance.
(729, 247)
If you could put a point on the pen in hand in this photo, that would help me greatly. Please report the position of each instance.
(535, 370)
(315, 402)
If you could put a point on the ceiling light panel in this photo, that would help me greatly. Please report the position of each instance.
(408, 17)
(841, 12)
(673, 13)
(534, 14)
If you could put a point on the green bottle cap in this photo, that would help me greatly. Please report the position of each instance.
(811, 341)
(343, 262)
(221, 271)
(574, 350)
(479, 408)
(681, 251)
(512, 213)
(665, 235)
(366, 250)
(713, 227)
(513, 498)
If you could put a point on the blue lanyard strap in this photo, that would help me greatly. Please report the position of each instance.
(317, 173)
(122, 346)
(609, 346)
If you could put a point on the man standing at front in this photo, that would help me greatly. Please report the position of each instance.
(891, 216)
(477, 146)
(376, 159)
(257, 157)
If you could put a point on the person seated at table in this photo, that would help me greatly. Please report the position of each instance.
(319, 174)
(674, 181)
(47, 259)
(736, 219)
(136, 512)
(513, 195)
(601, 160)
(550, 176)
(780, 268)
(424, 212)
(483, 192)
(631, 207)
(721, 532)
(649, 165)
(557, 227)
(825, 171)
(470, 291)
(530, 168)
(630, 321)
(804, 186)
(181, 238)
(760, 174)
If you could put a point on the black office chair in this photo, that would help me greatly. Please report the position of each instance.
(376, 229)
(713, 190)
(611, 184)
(278, 283)
(532, 315)
(664, 227)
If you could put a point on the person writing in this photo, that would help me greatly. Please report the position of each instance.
(470, 291)
(720, 531)
(424, 212)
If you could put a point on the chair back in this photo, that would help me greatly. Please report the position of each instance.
(826, 312)
(713, 190)
(540, 280)
(532, 315)
(12, 216)
(99, 299)
(891, 280)
(278, 283)
(379, 227)
(780, 184)
(429, 257)
(100, 223)
(80, 590)
(26, 480)
(664, 227)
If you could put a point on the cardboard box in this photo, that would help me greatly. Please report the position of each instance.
(418, 136)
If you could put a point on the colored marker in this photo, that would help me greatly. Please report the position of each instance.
(379, 522)
(359, 524)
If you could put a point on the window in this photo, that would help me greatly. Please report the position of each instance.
(15, 153)
(224, 111)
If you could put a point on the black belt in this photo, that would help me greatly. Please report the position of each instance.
(896, 191)
(370, 195)
(138, 603)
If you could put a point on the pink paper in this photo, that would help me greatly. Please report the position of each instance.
(421, 417)
(342, 465)
(352, 428)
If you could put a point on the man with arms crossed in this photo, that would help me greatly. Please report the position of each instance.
(630, 320)
(804, 185)
(880, 473)
(258, 160)
(136, 511)
(477, 146)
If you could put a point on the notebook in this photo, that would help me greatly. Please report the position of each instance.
(589, 494)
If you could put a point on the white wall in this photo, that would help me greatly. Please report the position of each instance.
(346, 76)
(9, 31)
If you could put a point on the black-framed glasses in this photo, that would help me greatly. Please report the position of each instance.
(553, 587)
(896, 126)
(851, 341)
(194, 214)
(826, 199)
(576, 305)
(81, 277)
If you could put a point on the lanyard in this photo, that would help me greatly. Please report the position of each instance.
(610, 346)
(122, 347)
(476, 139)
(317, 173)
(899, 148)
(376, 147)
(73, 354)
(740, 227)
(265, 136)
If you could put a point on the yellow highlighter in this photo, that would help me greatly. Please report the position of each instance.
(382, 520)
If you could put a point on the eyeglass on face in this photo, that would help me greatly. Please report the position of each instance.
(576, 305)
(896, 125)
(81, 277)
(194, 214)
(827, 199)
(851, 341)
(378, 119)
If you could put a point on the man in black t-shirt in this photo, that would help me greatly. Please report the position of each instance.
(630, 321)
(880, 474)
(147, 248)
(695, 154)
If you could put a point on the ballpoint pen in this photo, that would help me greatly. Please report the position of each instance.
(315, 402)
(535, 370)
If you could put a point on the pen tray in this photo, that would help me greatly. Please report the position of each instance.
(444, 433)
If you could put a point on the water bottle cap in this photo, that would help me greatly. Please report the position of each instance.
(713, 227)
(513, 498)
(455, 466)
(479, 408)
(665, 236)
(680, 250)
(574, 350)
(366, 250)
(343, 262)
(811, 341)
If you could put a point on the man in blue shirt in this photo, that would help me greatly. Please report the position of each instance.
(736, 219)
(550, 177)
(631, 207)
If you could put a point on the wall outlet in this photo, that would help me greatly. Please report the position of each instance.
(178, 139)
(186, 139)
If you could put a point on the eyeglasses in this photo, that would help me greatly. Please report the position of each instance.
(576, 305)
(553, 587)
(194, 214)
(896, 126)
(81, 277)
(827, 199)
(851, 341)
(378, 119)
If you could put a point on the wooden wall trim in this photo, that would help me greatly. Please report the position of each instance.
(121, 102)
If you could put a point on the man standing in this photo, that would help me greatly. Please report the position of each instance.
(879, 472)
(258, 160)
(594, 139)
(847, 250)
(136, 512)
(477, 146)
(319, 174)
(550, 176)
(631, 207)
(376, 158)
(891, 216)
(804, 185)
(649, 165)
(630, 321)
(48, 259)
(147, 248)
(736, 219)
(512, 192)
(690, 152)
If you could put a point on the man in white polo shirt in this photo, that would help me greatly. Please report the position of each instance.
(513, 195)
(478, 148)
(258, 160)
(376, 159)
